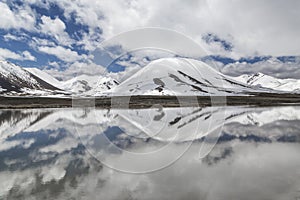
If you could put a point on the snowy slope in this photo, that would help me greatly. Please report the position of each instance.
(15, 79)
(45, 76)
(259, 79)
(180, 76)
(81, 83)
(167, 76)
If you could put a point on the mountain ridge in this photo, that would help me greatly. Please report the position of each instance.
(260, 79)
(166, 76)
(181, 76)
(15, 79)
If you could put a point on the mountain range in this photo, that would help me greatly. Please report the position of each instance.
(260, 79)
(166, 76)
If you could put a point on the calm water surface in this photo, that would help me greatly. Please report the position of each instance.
(69, 153)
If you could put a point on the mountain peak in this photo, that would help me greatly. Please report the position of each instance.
(266, 81)
(15, 79)
(180, 76)
(165, 76)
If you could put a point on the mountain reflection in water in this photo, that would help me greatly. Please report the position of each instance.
(43, 153)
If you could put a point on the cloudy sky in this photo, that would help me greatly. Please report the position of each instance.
(62, 34)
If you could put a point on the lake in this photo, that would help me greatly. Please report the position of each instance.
(158, 153)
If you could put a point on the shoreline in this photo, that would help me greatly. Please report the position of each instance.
(147, 101)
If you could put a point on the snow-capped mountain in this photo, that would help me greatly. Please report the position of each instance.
(89, 85)
(166, 76)
(260, 79)
(82, 84)
(181, 76)
(45, 76)
(15, 79)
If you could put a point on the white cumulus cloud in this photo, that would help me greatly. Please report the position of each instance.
(269, 27)
(27, 56)
(55, 28)
(7, 54)
(22, 17)
(64, 54)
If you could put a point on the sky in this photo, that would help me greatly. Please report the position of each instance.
(62, 34)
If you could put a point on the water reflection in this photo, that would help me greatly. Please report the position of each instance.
(43, 153)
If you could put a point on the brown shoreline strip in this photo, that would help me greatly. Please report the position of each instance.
(146, 101)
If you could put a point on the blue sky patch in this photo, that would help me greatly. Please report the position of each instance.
(212, 38)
